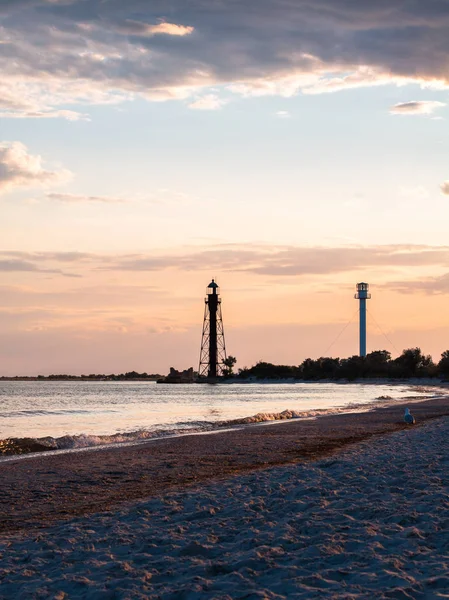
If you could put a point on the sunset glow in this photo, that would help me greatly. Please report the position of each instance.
(145, 151)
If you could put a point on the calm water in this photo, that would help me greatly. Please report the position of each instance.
(76, 414)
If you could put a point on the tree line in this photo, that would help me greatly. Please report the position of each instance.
(379, 364)
(130, 376)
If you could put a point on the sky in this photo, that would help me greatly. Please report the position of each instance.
(288, 148)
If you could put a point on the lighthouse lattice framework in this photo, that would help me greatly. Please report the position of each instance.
(362, 296)
(213, 348)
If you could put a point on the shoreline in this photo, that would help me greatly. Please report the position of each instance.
(28, 447)
(42, 490)
(424, 381)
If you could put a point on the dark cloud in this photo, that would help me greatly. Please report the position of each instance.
(422, 107)
(289, 261)
(46, 256)
(282, 261)
(427, 285)
(17, 265)
(96, 51)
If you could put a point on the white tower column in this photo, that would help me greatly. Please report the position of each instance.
(362, 295)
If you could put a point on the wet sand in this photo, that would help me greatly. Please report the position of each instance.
(38, 491)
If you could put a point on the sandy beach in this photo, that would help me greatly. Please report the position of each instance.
(39, 490)
(344, 506)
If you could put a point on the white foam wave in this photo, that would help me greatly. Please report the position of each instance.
(85, 441)
(265, 417)
(71, 442)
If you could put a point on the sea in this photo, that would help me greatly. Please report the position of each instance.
(61, 416)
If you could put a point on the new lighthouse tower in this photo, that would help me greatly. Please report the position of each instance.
(362, 296)
(213, 349)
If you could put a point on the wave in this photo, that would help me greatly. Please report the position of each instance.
(28, 445)
(13, 446)
(281, 416)
(43, 413)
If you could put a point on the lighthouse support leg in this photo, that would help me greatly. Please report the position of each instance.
(213, 307)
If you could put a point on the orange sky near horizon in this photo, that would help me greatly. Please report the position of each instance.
(79, 314)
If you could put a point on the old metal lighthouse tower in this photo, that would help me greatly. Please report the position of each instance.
(362, 295)
(213, 349)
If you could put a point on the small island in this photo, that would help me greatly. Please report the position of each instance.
(187, 376)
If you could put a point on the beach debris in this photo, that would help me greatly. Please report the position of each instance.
(408, 418)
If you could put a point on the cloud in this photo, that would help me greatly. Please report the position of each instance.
(284, 85)
(107, 296)
(423, 107)
(68, 115)
(24, 266)
(160, 196)
(39, 97)
(445, 188)
(77, 198)
(19, 169)
(208, 102)
(276, 261)
(139, 28)
(14, 265)
(427, 285)
(280, 263)
(288, 261)
(283, 114)
(45, 257)
(56, 54)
